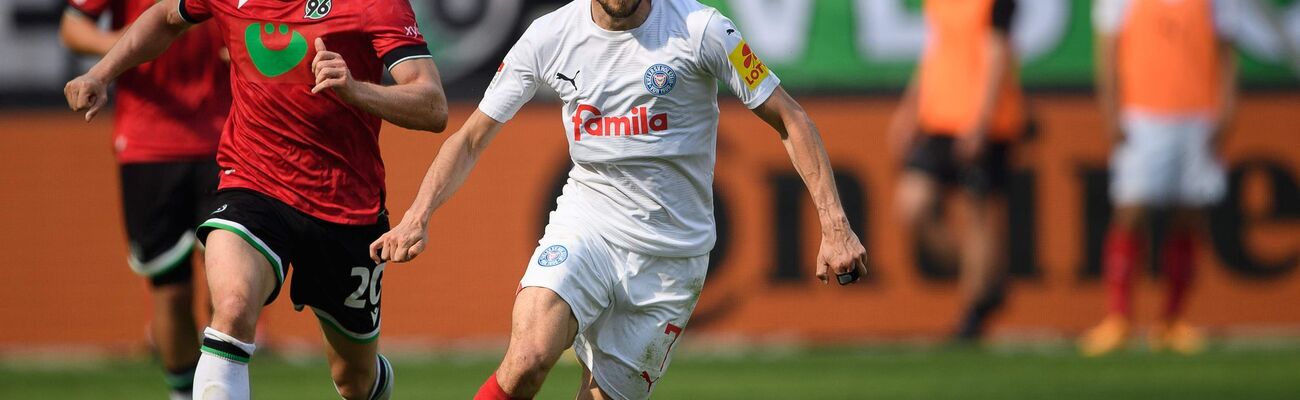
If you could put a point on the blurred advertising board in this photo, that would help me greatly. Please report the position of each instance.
(63, 233)
(814, 45)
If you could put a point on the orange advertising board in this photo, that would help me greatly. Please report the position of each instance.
(66, 281)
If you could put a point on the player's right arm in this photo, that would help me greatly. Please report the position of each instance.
(455, 160)
(516, 82)
(1106, 17)
(145, 40)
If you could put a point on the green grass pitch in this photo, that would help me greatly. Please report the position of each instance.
(830, 373)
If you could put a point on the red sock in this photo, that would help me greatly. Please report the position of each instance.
(1121, 255)
(491, 390)
(1178, 256)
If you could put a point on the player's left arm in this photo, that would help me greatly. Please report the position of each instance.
(841, 251)
(416, 101)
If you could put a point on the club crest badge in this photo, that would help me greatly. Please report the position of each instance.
(317, 9)
(553, 256)
(659, 79)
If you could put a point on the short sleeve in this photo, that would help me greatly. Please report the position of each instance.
(725, 54)
(90, 8)
(1108, 15)
(194, 11)
(516, 80)
(1227, 18)
(1004, 12)
(394, 33)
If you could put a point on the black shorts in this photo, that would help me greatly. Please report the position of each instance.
(333, 272)
(934, 155)
(162, 202)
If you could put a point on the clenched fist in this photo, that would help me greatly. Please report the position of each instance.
(87, 94)
(331, 71)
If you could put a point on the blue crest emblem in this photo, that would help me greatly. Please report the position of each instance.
(659, 79)
(553, 256)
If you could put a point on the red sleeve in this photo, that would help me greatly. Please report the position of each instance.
(89, 8)
(394, 33)
(195, 11)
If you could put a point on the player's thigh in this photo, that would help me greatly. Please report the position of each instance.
(159, 222)
(917, 196)
(542, 326)
(576, 269)
(629, 349)
(240, 280)
(245, 257)
(334, 275)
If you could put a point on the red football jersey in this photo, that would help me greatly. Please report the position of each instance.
(314, 152)
(172, 108)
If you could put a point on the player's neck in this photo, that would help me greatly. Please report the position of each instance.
(612, 23)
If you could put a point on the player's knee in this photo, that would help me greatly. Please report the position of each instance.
(525, 367)
(915, 205)
(917, 213)
(231, 313)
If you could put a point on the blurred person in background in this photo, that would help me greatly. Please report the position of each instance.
(961, 113)
(1166, 84)
(170, 113)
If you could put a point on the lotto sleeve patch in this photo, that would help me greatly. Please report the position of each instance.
(747, 65)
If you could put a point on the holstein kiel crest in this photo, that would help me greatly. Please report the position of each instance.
(553, 256)
(660, 79)
(317, 9)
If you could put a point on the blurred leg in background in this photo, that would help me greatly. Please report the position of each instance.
(983, 262)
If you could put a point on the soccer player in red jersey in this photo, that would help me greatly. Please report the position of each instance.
(169, 118)
(302, 182)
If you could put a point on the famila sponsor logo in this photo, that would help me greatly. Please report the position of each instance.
(589, 119)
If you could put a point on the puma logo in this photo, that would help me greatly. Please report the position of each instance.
(572, 81)
(273, 63)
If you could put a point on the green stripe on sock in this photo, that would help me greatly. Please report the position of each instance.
(180, 381)
(224, 355)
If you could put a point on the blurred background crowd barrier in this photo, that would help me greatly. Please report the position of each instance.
(845, 60)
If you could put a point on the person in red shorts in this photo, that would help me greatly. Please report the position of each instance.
(302, 182)
(169, 117)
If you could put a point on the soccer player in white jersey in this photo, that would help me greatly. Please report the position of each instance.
(624, 256)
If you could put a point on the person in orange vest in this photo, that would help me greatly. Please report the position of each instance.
(957, 120)
(1166, 82)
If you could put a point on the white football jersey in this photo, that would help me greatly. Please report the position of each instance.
(640, 114)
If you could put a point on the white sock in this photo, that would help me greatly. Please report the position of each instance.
(222, 373)
(383, 388)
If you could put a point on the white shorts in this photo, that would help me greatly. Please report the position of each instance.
(631, 308)
(1166, 161)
